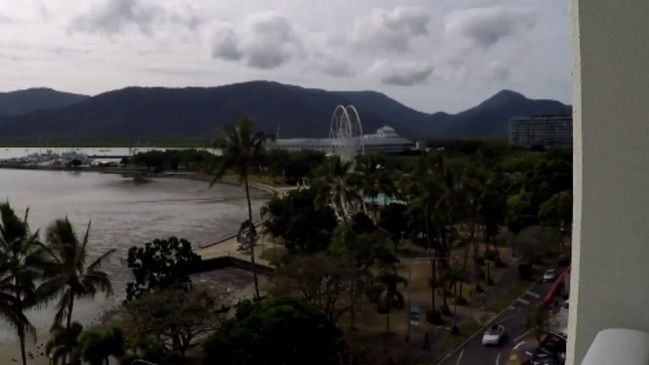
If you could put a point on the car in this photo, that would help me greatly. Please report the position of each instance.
(541, 356)
(493, 336)
(549, 275)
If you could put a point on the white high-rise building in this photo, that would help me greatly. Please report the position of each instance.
(542, 130)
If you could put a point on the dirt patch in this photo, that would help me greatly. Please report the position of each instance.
(419, 270)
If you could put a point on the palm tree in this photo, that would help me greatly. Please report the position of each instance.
(64, 343)
(67, 274)
(373, 179)
(22, 256)
(242, 149)
(336, 186)
(96, 347)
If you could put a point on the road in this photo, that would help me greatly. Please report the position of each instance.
(514, 319)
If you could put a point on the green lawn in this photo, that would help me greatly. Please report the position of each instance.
(467, 328)
(449, 342)
(273, 254)
(504, 299)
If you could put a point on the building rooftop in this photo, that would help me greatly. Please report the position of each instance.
(330, 141)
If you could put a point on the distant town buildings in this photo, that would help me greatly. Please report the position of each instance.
(385, 140)
(542, 130)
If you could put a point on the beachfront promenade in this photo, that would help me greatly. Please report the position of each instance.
(228, 246)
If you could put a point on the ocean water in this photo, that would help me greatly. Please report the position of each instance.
(123, 214)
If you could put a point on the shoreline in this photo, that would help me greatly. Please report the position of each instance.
(146, 174)
(9, 346)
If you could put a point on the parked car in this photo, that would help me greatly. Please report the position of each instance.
(549, 275)
(494, 335)
(541, 356)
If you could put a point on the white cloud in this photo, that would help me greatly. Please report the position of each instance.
(115, 16)
(474, 46)
(226, 44)
(498, 72)
(402, 73)
(390, 30)
(484, 27)
(264, 41)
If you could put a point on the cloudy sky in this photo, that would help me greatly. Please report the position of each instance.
(429, 54)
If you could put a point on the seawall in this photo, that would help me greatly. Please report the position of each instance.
(222, 262)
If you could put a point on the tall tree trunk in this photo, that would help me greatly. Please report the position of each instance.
(433, 284)
(467, 248)
(21, 336)
(252, 244)
(68, 324)
(343, 207)
(21, 326)
(353, 302)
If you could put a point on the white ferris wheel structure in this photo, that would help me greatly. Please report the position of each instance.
(346, 133)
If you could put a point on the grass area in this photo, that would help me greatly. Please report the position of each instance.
(273, 253)
(90, 144)
(503, 300)
(274, 181)
(467, 328)
(419, 272)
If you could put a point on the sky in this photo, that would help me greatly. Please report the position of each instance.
(432, 55)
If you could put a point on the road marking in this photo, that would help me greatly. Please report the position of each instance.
(519, 345)
(523, 335)
(523, 301)
(476, 333)
(459, 358)
(533, 294)
(512, 308)
(498, 359)
(505, 319)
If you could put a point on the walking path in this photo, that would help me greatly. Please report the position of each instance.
(229, 245)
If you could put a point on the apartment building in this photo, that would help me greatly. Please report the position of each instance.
(542, 130)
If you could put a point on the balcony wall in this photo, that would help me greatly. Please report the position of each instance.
(610, 270)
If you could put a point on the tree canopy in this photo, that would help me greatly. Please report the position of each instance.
(277, 331)
(160, 264)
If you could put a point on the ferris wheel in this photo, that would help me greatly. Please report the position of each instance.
(346, 132)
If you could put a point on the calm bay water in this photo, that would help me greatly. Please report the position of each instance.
(15, 152)
(123, 214)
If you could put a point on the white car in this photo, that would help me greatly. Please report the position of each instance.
(494, 335)
(549, 275)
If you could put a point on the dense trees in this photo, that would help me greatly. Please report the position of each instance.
(280, 331)
(306, 229)
(159, 265)
(469, 194)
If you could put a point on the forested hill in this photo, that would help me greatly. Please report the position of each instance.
(137, 113)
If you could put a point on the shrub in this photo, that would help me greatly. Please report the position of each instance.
(433, 316)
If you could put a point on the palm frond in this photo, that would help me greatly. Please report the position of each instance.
(96, 264)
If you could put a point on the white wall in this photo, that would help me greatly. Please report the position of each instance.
(610, 270)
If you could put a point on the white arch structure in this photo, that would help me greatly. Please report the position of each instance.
(346, 132)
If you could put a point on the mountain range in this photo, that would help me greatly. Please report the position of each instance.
(150, 114)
